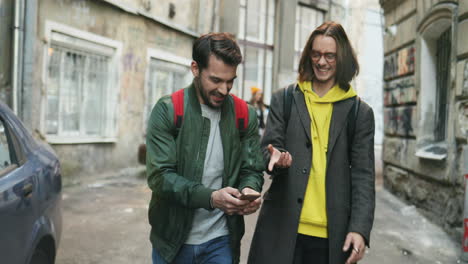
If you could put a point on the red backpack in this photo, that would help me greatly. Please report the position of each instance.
(240, 107)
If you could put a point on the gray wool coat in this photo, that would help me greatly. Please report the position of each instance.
(350, 189)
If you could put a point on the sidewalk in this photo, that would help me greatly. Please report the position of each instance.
(401, 235)
(105, 221)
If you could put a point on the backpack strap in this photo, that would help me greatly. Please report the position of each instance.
(287, 103)
(242, 113)
(240, 107)
(352, 117)
(178, 102)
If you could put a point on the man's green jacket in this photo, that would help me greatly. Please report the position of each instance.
(174, 166)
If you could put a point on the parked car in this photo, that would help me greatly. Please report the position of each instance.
(30, 195)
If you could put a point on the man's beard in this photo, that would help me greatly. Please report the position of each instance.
(204, 96)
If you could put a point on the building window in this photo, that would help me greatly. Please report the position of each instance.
(76, 93)
(256, 34)
(307, 19)
(443, 68)
(166, 74)
(81, 97)
(434, 63)
(165, 78)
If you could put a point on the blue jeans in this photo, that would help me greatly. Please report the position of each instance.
(215, 251)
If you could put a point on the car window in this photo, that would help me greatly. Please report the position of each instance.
(5, 157)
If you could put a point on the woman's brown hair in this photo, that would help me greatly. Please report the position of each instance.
(347, 66)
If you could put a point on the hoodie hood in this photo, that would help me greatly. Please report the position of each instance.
(335, 94)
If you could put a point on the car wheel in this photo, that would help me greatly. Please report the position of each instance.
(40, 256)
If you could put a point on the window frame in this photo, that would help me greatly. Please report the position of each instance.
(83, 41)
(16, 152)
(299, 25)
(431, 28)
(164, 56)
(264, 44)
(442, 85)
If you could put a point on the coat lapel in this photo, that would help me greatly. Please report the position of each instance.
(302, 110)
(338, 121)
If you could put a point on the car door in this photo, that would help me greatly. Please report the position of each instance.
(17, 213)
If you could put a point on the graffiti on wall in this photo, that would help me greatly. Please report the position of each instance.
(399, 63)
(400, 91)
(400, 121)
(131, 62)
(465, 77)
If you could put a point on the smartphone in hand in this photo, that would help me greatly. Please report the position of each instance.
(250, 196)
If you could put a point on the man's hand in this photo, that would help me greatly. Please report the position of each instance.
(278, 159)
(252, 206)
(225, 199)
(355, 242)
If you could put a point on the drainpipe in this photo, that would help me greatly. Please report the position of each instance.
(28, 102)
(17, 53)
(215, 17)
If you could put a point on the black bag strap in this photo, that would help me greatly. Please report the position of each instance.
(352, 117)
(287, 104)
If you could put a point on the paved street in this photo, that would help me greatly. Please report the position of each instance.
(105, 222)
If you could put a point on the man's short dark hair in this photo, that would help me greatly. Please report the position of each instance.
(347, 66)
(222, 45)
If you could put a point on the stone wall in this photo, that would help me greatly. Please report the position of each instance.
(426, 172)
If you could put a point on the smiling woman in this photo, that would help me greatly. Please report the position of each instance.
(346, 63)
(323, 57)
(330, 178)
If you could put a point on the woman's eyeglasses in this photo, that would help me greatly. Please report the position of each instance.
(329, 56)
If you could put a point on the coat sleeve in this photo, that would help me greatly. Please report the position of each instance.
(275, 130)
(251, 171)
(363, 174)
(161, 162)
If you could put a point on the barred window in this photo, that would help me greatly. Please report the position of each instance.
(443, 70)
(165, 78)
(435, 61)
(81, 95)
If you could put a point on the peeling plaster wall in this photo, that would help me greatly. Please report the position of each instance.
(434, 186)
(137, 33)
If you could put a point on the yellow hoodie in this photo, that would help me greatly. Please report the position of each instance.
(313, 220)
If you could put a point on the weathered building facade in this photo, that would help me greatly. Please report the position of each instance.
(88, 72)
(426, 106)
(83, 75)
